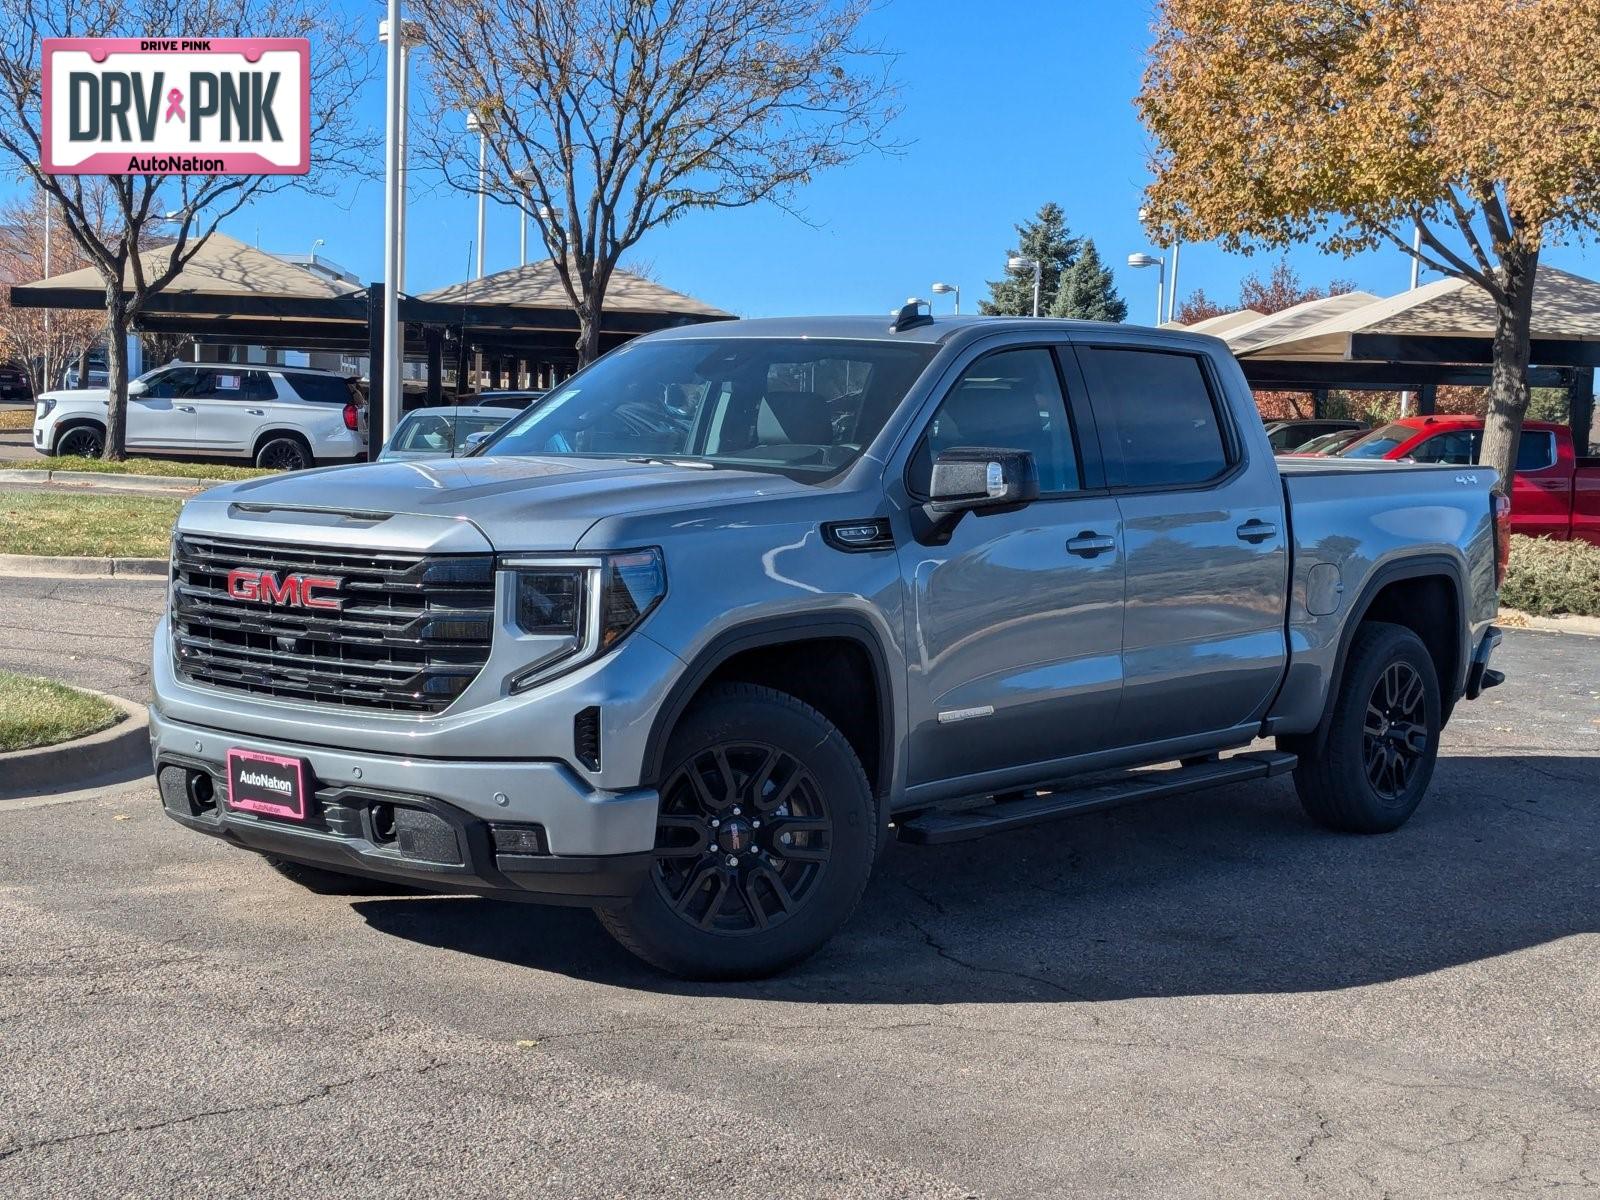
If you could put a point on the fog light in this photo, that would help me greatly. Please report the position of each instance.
(518, 839)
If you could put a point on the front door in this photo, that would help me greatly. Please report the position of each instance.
(1015, 626)
(1203, 641)
(162, 416)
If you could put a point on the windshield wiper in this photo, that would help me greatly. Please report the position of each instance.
(694, 463)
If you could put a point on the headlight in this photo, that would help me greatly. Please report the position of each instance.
(43, 409)
(572, 610)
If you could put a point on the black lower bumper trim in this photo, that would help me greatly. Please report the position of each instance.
(1479, 677)
(596, 880)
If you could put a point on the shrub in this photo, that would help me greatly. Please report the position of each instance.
(1547, 577)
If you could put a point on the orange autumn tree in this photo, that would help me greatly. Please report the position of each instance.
(1351, 122)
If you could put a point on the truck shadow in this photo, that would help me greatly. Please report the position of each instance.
(1231, 891)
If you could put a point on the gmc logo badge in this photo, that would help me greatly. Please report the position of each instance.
(292, 591)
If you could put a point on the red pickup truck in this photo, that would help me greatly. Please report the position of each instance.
(1556, 494)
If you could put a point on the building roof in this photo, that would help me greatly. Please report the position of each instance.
(1566, 308)
(224, 266)
(537, 285)
(1219, 324)
(1247, 336)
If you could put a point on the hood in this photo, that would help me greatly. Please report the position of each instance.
(517, 503)
(81, 395)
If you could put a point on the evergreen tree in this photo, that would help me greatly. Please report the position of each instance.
(1087, 291)
(1044, 238)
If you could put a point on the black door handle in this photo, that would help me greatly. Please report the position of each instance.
(1256, 531)
(1088, 544)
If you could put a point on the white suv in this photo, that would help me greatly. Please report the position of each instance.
(288, 418)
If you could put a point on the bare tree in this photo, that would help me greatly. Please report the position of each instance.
(606, 119)
(183, 208)
(34, 337)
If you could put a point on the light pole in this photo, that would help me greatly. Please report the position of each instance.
(1172, 290)
(392, 200)
(1021, 262)
(477, 125)
(48, 206)
(945, 289)
(412, 39)
(523, 177)
(1153, 260)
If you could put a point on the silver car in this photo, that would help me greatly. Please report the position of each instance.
(442, 432)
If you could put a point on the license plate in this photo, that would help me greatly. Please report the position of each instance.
(267, 783)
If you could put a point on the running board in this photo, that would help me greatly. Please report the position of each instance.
(936, 826)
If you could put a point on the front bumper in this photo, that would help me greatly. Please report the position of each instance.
(592, 847)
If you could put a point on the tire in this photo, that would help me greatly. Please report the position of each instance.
(334, 883)
(795, 816)
(284, 453)
(81, 441)
(1383, 736)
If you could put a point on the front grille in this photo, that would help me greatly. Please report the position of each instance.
(411, 631)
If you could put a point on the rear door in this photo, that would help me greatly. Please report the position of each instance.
(1205, 541)
(231, 408)
(1014, 626)
(1541, 494)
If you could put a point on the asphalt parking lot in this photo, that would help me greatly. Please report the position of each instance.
(1198, 997)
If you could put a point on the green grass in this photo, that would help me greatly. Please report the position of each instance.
(36, 712)
(67, 523)
(165, 467)
(18, 418)
(1548, 578)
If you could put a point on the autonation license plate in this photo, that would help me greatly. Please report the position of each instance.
(267, 783)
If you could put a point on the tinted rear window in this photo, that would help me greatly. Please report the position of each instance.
(1379, 442)
(1536, 450)
(1156, 414)
(320, 389)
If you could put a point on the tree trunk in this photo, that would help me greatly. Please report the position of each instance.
(588, 337)
(1508, 378)
(117, 318)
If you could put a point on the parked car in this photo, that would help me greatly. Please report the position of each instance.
(504, 399)
(740, 601)
(441, 432)
(1288, 435)
(1554, 493)
(1328, 444)
(15, 384)
(283, 417)
(97, 377)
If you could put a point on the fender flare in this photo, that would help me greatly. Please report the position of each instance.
(1420, 566)
(777, 631)
(66, 424)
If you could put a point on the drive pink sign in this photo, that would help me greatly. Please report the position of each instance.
(177, 106)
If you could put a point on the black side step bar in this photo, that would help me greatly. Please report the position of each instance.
(935, 827)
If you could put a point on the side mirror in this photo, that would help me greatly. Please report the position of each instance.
(137, 387)
(977, 478)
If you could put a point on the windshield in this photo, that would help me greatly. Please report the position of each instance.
(1379, 442)
(440, 433)
(802, 407)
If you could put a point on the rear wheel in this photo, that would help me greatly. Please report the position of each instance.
(764, 842)
(284, 454)
(82, 441)
(1383, 737)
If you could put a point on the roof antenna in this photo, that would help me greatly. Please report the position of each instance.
(911, 314)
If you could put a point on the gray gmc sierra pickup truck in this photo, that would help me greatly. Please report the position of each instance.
(691, 640)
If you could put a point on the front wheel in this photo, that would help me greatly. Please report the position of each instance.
(764, 842)
(1383, 737)
(82, 441)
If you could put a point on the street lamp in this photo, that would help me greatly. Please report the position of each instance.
(477, 125)
(1021, 262)
(393, 199)
(411, 40)
(1172, 290)
(1152, 260)
(945, 289)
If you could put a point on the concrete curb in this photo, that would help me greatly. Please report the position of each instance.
(107, 479)
(45, 564)
(1515, 618)
(76, 763)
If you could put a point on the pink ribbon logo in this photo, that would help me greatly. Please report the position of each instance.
(175, 105)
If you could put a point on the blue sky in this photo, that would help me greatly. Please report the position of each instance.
(1008, 103)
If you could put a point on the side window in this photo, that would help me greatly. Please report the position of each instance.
(1458, 448)
(1536, 450)
(319, 389)
(1009, 400)
(1156, 415)
(228, 383)
(170, 385)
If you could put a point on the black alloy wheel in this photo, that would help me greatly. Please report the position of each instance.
(283, 454)
(743, 838)
(82, 441)
(1396, 737)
